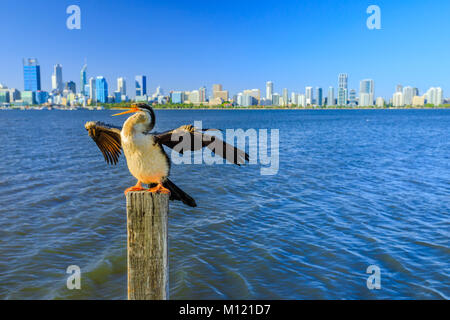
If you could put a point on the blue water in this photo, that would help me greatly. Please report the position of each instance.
(354, 189)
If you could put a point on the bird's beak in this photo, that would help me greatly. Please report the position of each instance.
(129, 110)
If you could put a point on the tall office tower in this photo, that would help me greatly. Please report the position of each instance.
(415, 92)
(343, 89)
(309, 96)
(101, 89)
(319, 101)
(435, 96)
(366, 87)
(57, 80)
(31, 75)
(83, 80)
(301, 100)
(269, 90)
(397, 99)
(141, 85)
(202, 92)
(71, 86)
(285, 97)
(408, 95)
(352, 97)
(218, 92)
(122, 86)
(294, 98)
(399, 88)
(92, 86)
(330, 101)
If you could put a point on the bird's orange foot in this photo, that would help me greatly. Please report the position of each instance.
(159, 189)
(137, 187)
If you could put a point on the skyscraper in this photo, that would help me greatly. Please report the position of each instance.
(83, 80)
(408, 95)
(399, 88)
(343, 89)
(57, 79)
(309, 95)
(330, 101)
(269, 90)
(31, 75)
(319, 96)
(202, 92)
(366, 92)
(141, 85)
(285, 97)
(352, 97)
(101, 89)
(122, 86)
(71, 86)
(92, 86)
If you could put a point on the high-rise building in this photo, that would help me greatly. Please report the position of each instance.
(366, 92)
(285, 97)
(434, 96)
(202, 92)
(255, 93)
(319, 101)
(218, 92)
(397, 99)
(31, 75)
(399, 88)
(301, 100)
(57, 79)
(269, 90)
(83, 80)
(122, 86)
(92, 86)
(275, 99)
(330, 101)
(71, 87)
(101, 89)
(352, 97)
(380, 102)
(408, 95)
(343, 89)
(309, 94)
(141, 85)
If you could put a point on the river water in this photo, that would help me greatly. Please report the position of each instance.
(353, 189)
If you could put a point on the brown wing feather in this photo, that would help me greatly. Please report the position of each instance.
(107, 138)
(188, 138)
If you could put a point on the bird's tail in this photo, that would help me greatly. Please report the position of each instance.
(178, 194)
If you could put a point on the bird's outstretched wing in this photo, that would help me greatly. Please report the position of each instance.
(189, 138)
(107, 138)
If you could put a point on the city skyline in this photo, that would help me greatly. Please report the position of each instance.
(226, 55)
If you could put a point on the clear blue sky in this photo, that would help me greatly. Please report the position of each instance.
(241, 44)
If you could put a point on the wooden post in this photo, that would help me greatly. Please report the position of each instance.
(148, 268)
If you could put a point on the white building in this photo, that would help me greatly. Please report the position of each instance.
(397, 99)
(408, 95)
(366, 92)
(92, 88)
(269, 90)
(301, 100)
(121, 86)
(380, 102)
(309, 94)
(435, 96)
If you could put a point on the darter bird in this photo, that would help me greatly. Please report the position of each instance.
(146, 159)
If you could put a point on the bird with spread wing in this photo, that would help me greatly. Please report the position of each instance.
(146, 159)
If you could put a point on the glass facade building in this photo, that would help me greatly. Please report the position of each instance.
(141, 85)
(101, 89)
(31, 75)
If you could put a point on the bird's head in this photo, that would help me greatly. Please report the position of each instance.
(145, 113)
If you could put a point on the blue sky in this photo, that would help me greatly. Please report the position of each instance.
(241, 44)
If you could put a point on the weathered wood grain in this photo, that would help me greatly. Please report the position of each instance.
(148, 269)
